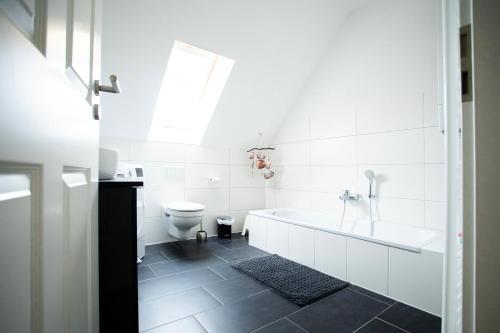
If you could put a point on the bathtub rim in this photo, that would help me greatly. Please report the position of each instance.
(435, 244)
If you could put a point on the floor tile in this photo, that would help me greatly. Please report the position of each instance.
(241, 253)
(186, 250)
(372, 294)
(172, 307)
(247, 314)
(227, 291)
(344, 311)
(281, 326)
(144, 273)
(234, 243)
(227, 272)
(186, 264)
(411, 319)
(152, 259)
(176, 282)
(154, 248)
(378, 326)
(186, 325)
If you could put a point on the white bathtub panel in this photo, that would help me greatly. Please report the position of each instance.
(416, 279)
(258, 232)
(301, 245)
(330, 253)
(277, 238)
(367, 265)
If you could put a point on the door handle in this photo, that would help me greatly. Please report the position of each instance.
(114, 88)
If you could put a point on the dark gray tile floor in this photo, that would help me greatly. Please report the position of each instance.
(190, 287)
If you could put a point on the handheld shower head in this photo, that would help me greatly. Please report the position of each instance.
(370, 175)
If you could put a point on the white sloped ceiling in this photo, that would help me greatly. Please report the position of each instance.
(276, 45)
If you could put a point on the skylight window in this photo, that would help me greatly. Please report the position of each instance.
(192, 85)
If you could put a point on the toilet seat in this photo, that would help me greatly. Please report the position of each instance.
(185, 206)
(184, 209)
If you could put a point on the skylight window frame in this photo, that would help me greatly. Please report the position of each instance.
(165, 125)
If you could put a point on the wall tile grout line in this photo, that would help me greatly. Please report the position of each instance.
(327, 138)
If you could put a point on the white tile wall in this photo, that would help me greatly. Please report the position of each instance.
(382, 112)
(198, 176)
(374, 105)
(394, 181)
(392, 147)
(434, 145)
(324, 178)
(181, 172)
(434, 177)
(334, 151)
(247, 198)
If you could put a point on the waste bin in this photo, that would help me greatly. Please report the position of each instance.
(224, 224)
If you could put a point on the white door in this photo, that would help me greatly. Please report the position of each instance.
(48, 168)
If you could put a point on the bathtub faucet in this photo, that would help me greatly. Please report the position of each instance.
(348, 196)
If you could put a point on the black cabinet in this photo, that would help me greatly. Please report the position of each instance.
(118, 308)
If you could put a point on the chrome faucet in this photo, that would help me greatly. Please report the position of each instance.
(348, 196)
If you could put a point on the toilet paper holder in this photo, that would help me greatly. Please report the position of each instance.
(214, 180)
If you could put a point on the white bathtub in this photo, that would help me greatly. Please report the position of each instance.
(402, 262)
(391, 234)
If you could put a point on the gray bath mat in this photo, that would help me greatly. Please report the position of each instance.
(298, 283)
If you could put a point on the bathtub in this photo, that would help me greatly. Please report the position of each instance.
(391, 234)
(400, 261)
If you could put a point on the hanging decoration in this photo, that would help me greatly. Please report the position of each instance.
(261, 160)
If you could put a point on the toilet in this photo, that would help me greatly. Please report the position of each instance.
(181, 216)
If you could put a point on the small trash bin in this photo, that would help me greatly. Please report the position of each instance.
(224, 224)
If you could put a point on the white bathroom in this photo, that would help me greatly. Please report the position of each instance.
(277, 166)
(332, 99)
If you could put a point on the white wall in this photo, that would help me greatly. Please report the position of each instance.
(275, 44)
(181, 172)
(371, 104)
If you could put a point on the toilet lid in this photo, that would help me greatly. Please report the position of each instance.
(184, 206)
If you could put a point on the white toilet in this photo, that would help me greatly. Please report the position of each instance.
(181, 216)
